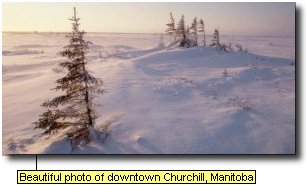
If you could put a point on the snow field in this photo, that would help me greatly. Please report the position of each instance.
(159, 100)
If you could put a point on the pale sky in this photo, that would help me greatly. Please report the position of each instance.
(267, 19)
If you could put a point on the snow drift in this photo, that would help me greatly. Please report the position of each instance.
(161, 101)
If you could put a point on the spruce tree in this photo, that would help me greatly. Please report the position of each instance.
(73, 112)
(181, 31)
(216, 38)
(194, 30)
(187, 32)
(201, 28)
(171, 27)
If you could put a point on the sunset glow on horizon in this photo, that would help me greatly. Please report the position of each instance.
(268, 19)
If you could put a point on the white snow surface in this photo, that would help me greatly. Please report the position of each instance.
(160, 100)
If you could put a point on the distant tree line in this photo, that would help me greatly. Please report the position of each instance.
(187, 36)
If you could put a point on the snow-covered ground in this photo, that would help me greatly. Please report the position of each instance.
(159, 100)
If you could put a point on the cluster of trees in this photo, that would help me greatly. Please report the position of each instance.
(187, 36)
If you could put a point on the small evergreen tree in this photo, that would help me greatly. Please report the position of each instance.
(215, 39)
(194, 30)
(73, 112)
(201, 28)
(171, 27)
(181, 32)
(187, 32)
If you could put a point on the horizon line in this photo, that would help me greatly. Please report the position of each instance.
(152, 33)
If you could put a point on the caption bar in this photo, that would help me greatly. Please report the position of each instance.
(136, 177)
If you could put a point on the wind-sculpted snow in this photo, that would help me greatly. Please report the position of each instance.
(21, 52)
(27, 46)
(160, 100)
(7, 69)
(126, 52)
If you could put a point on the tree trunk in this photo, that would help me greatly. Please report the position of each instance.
(87, 100)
